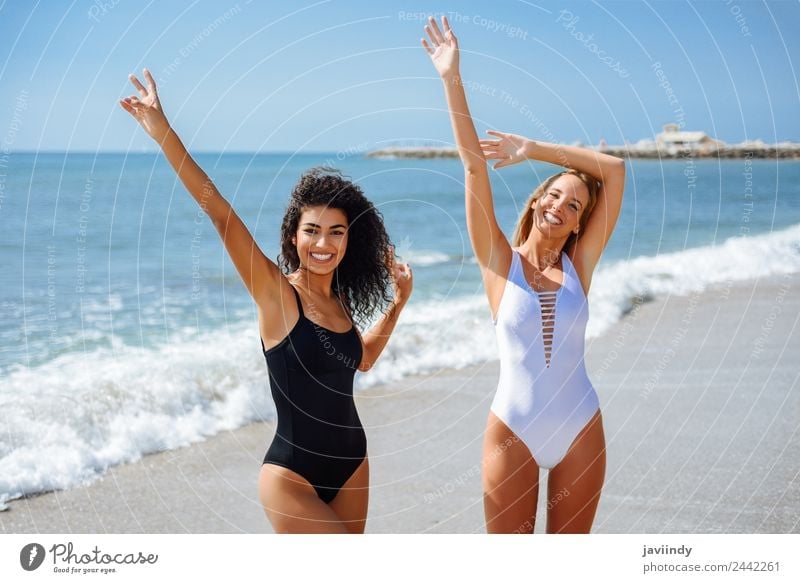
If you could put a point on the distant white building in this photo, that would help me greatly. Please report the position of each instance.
(674, 139)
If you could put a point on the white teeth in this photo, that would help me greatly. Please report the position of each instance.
(321, 257)
(551, 219)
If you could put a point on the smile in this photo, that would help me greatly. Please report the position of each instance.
(552, 219)
(322, 256)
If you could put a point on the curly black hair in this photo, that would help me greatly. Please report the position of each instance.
(363, 277)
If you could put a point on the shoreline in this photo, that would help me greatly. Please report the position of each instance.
(699, 401)
(731, 152)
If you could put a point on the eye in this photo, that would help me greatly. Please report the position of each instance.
(310, 231)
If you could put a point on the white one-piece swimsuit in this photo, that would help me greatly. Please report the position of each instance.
(544, 394)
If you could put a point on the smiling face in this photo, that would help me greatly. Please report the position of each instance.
(557, 213)
(321, 238)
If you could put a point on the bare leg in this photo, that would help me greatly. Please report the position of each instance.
(292, 504)
(352, 500)
(574, 485)
(510, 480)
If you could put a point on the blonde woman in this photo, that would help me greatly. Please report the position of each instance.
(545, 413)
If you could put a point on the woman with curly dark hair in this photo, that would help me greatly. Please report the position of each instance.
(335, 267)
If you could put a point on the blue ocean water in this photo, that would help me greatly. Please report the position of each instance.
(126, 330)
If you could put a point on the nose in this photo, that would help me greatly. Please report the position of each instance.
(321, 242)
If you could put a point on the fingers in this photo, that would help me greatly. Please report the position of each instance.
(502, 163)
(151, 83)
(427, 46)
(139, 87)
(446, 25)
(432, 36)
(448, 32)
(498, 134)
(439, 37)
(492, 149)
(131, 104)
(403, 271)
(127, 106)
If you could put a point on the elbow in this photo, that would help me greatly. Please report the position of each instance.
(474, 162)
(615, 171)
(367, 359)
(475, 169)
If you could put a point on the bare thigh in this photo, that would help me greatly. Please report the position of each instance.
(352, 500)
(574, 485)
(510, 480)
(292, 505)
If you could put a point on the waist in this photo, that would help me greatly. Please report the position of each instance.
(534, 369)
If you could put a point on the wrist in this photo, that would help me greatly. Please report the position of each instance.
(529, 149)
(398, 302)
(162, 133)
(453, 78)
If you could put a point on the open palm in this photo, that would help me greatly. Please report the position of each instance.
(443, 48)
(508, 148)
(146, 108)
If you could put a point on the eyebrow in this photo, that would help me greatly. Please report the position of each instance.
(316, 226)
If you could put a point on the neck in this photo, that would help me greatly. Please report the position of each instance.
(540, 250)
(314, 283)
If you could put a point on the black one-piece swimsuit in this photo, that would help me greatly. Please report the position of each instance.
(319, 434)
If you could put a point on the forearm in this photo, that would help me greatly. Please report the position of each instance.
(194, 178)
(481, 221)
(378, 336)
(601, 166)
(469, 147)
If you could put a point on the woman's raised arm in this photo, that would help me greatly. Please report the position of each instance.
(374, 341)
(259, 274)
(488, 240)
(608, 170)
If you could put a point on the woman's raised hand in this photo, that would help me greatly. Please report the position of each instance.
(508, 148)
(402, 279)
(146, 108)
(443, 49)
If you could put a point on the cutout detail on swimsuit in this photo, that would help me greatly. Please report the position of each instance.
(547, 301)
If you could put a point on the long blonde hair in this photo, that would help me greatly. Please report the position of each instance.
(525, 221)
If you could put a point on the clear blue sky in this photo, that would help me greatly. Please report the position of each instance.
(351, 75)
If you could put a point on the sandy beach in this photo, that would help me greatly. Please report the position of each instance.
(700, 403)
